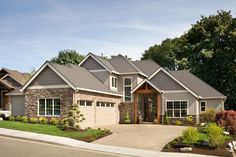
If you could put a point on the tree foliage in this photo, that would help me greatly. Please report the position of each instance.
(208, 50)
(68, 56)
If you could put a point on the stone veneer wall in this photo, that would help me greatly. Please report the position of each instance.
(33, 95)
(126, 107)
(183, 120)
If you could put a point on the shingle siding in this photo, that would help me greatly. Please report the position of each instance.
(47, 77)
(165, 82)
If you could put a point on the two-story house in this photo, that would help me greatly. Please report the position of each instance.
(107, 89)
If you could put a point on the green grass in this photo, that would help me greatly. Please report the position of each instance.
(87, 135)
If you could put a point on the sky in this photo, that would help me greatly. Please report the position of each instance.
(33, 31)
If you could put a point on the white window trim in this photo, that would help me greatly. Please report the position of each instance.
(45, 115)
(180, 109)
(110, 106)
(111, 87)
(201, 105)
(85, 103)
(131, 85)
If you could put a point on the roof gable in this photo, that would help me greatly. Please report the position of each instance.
(148, 67)
(165, 82)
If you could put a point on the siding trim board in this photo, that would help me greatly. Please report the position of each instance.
(47, 87)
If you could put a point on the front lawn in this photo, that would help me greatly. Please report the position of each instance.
(87, 135)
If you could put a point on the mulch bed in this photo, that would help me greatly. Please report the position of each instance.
(197, 149)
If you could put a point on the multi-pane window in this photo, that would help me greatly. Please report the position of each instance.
(203, 106)
(85, 103)
(127, 89)
(176, 108)
(49, 107)
(105, 104)
(114, 82)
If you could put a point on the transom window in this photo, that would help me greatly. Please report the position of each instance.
(84, 103)
(105, 104)
(49, 107)
(114, 82)
(127, 88)
(202, 106)
(176, 109)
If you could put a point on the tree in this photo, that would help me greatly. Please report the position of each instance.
(208, 50)
(68, 56)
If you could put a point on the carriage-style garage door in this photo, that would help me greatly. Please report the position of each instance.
(99, 113)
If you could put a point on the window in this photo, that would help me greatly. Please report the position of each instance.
(105, 104)
(176, 108)
(84, 103)
(202, 106)
(49, 107)
(114, 82)
(127, 89)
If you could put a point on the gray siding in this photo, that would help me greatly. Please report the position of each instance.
(180, 96)
(216, 104)
(164, 82)
(91, 64)
(47, 77)
(103, 76)
(18, 105)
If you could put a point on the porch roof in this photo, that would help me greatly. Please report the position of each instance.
(146, 81)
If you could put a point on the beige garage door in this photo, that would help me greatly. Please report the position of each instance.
(105, 113)
(98, 113)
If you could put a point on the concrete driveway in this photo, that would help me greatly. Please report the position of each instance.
(144, 136)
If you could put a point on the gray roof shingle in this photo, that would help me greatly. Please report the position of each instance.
(148, 67)
(198, 86)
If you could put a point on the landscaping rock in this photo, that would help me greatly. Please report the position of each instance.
(226, 133)
(1, 119)
(186, 149)
(203, 124)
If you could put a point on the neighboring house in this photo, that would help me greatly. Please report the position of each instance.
(10, 81)
(106, 89)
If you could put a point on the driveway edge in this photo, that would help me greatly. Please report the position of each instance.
(64, 141)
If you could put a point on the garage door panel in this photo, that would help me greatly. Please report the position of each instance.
(105, 115)
(88, 112)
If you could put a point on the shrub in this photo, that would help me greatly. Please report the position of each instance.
(33, 119)
(208, 117)
(215, 135)
(3, 116)
(18, 118)
(178, 122)
(73, 120)
(189, 120)
(127, 118)
(43, 120)
(227, 119)
(24, 119)
(190, 135)
(166, 119)
(63, 124)
(53, 121)
(11, 118)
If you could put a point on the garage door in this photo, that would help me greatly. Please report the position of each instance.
(18, 105)
(98, 113)
(106, 113)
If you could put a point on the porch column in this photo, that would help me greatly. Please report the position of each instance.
(135, 108)
(158, 107)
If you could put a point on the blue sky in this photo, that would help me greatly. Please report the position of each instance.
(32, 31)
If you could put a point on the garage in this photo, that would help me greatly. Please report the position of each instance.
(17, 105)
(98, 113)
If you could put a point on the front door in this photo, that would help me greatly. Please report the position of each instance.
(147, 107)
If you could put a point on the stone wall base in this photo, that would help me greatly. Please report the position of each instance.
(125, 107)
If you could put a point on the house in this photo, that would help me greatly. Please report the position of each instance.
(107, 89)
(10, 81)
